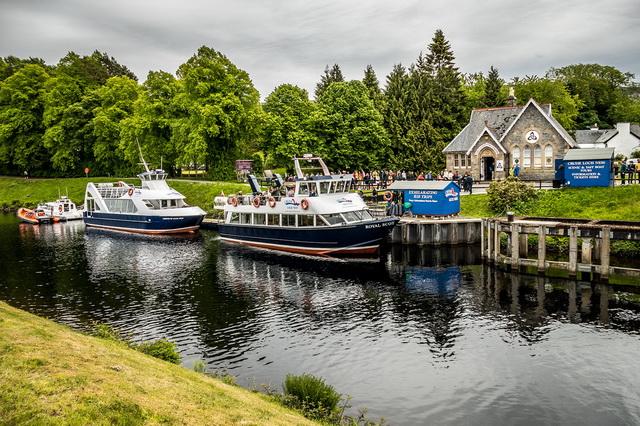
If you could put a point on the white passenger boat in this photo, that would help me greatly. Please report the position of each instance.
(152, 208)
(311, 215)
(62, 209)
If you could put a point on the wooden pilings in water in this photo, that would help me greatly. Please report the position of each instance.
(435, 232)
(592, 260)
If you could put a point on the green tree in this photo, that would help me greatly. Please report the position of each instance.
(437, 101)
(565, 105)
(371, 82)
(287, 130)
(151, 124)
(600, 88)
(495, 94)
(64, 120)
(396, 115)
(21, 126)
(117, 98)
(217, 110)
(10, 64)
(331, 75)
(350, 128)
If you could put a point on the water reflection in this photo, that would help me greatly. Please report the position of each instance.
(418, 335)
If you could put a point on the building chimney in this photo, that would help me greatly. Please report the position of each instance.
(511, 100)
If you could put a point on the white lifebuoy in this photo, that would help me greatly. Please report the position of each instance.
(304, 204)
(130, 192)
(272, 202)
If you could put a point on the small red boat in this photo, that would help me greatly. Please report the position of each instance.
(35, 216)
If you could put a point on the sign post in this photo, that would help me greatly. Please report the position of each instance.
(86, 172)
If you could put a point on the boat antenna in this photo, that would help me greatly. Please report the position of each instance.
(141, 157)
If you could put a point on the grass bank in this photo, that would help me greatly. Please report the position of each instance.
(619, 203)
(50, 374)
(20, 192)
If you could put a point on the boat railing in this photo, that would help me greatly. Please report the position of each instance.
(112, 191)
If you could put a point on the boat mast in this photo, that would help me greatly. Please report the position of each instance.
(141, 157)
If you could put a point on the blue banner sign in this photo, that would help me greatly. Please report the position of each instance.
(588, 173)
(434, 202)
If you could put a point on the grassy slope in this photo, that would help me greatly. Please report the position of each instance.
(18, 192)
(50, 374)
(619, 203)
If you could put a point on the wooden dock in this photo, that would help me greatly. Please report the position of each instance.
(590, 261)
(435, 232)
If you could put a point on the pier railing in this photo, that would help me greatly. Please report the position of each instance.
(591, 261)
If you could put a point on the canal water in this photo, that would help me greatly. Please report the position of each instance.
(418, 336)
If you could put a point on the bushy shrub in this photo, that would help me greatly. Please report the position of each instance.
(162, 349)
(510, 194)
(311, 395)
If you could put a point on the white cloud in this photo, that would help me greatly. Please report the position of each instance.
(291, 41)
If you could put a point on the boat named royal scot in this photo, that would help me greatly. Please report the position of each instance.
(315, 215)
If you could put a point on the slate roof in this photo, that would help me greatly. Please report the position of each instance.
(498, 121)
(589, 154)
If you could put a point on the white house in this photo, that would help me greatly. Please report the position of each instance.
(625, 138)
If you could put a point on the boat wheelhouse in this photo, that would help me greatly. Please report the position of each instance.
(312, 215)
(151, 208)
(62, 209)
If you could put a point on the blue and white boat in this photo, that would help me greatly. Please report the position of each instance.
(152, 208)
(315, 215)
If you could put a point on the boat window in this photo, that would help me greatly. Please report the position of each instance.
(347, 186)
(340, 186)
(233, 217)
(350, 216)
(245, 218)
(288, 220)
(332, 219)
(173, 203)
(259, 218)
(303, 188)
(91, 205)
(121, 206)
(325, 187)
(305, 220)
(273, 219)
(320, 222)
(163, 204)
(363, 215)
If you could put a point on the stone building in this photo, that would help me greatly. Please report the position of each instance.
(497, 138)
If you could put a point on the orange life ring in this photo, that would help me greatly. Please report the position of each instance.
(130, 192)
(388, 196)
(304, 204)
(234, 201)
(256, 202)
(60, 209)
(272, 202)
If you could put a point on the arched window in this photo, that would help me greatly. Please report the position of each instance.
(548, 156)
(537, 156)
(516, 155)
(526, 161)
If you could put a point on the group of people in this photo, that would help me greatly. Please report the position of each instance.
(628, 172)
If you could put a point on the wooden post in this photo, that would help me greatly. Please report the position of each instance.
(515, 249)
(586, 251)
(542, 248)
(483, 238)
(524, 245)
(496, 242)
(573, 251)
(605, 253)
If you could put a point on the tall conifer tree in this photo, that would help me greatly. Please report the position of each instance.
(331, 75)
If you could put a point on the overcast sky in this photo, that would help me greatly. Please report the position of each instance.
(291, 41)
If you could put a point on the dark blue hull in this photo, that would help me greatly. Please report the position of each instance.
(142, 224)
(362, 238)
